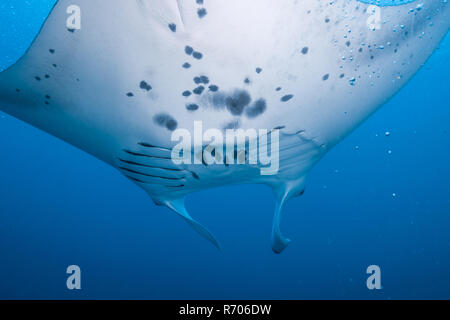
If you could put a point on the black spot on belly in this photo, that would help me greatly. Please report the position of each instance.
(38, 78)
(171, 125)
(327, 20)
(145, 86)
(278, 89)
(258, 108)
(202, 13)
(52, 51)
(213, 88)
(130, 94)
(342, 75)
(54, 65)
(192, 107)
(199, 90)
(348, 43)
(47, 97)
(200, 2)
(237, 102)
(287, 97)
(186, 65)
(188, 50)
(305, 50)
(258, 70)
(197, 55)
(186, 93)
(201, 80)
(47, 76)
(173, 27)
(17, 90)
(165, 120)
(325, 77)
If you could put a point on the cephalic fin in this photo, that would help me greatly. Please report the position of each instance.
(283, 193)
(178, 206)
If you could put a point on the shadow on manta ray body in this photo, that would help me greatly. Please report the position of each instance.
(136, 71)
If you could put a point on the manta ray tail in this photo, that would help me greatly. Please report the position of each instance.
(179, 207)
(283, 193)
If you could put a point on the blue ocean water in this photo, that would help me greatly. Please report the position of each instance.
(374, 199)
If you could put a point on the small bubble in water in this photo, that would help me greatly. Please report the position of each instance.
(389, 152)
(387, 133)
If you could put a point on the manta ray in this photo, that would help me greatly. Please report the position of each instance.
(133, 72)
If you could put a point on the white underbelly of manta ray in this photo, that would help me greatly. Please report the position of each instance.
(137, 72)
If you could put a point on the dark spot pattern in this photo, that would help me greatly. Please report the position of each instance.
(199, 90)
(145, 86)
(171, 124)
(192, 107)
(186, 65)
(287, 97)
(236, 102)
(186, 93)
(197, 55)
(188, 50)
(46, 76)
(52, 51)
(202, 13)
(258, 70)
(38, 78)
(325, 77)
(213, 88)
(165, 120)
(305, 50)
(201, 80)
(130, 94)
(173, 27)
(258, 108)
